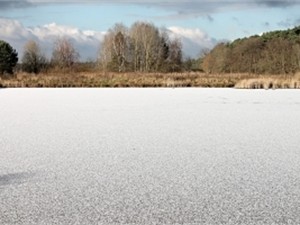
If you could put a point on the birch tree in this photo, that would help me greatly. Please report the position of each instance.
(142, 48)
(115, 50)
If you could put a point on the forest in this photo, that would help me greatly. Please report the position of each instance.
(276, 52)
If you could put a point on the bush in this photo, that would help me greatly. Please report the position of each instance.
(33, 60)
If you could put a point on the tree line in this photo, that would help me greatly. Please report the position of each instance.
(64, 55)
(276, 52)
(140, 48)
(146, 48)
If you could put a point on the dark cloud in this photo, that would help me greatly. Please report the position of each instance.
(14, 4)
(288, 23)
(297, 22)
(181, 7)
(210, 18)
(285, 23)
(235, 19)
(208, 7)
(200, 7)
(278, 3)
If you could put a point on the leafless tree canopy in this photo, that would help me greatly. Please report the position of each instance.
(33, 60)
(64, 54)
(142, 48)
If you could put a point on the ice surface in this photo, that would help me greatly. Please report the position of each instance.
(149, 156)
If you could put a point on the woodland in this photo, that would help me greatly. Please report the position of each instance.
(146, 56)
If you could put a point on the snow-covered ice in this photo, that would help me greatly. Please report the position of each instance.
(149, 156)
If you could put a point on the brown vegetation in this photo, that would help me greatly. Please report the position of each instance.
(108, 79)
(145, 56)
(276, 52)
(270, 82)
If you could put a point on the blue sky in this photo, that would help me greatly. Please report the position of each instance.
(200, 23)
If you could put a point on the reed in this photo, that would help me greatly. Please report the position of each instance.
(186, 79)
(271, 82)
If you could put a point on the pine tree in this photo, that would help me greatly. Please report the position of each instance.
(8, 58)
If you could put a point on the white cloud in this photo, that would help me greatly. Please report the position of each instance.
(193, 40)
(12, 29)
(87, 42)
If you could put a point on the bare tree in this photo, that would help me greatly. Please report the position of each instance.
(115, 50)
(163, 52)
(105, 53)
(142, 48)
(33, 60)
(147, 44)
(137, 47)
(175, 55)
(296, 51)
(119, 45)
(64, 54)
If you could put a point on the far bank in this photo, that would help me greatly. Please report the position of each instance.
(186, 79)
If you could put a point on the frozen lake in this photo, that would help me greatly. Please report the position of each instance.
(149, 156)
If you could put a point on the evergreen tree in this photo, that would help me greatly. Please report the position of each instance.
(8, 58)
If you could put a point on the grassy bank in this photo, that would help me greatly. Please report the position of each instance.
(102, 79)
(270, 82)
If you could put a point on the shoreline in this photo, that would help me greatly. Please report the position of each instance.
(151, 80)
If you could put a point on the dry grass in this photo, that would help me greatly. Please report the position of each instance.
(103, 79)
(193, 79)
(271, 82)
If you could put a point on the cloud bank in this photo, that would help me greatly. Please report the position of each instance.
(87, 42)
(194, 40)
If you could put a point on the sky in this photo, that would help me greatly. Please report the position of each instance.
(200, 24)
